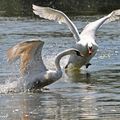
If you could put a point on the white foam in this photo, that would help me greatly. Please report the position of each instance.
(12, 85)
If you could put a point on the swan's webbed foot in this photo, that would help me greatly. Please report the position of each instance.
(88, 64)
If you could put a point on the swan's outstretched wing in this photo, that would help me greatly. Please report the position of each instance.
(114, 15)
(60, 17)
(92, 27)
(29, 53)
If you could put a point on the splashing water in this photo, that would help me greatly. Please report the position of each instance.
(12, 85)
(95, 96)
(12, 82)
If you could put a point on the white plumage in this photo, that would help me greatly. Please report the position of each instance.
(34, 72)
(85, 42)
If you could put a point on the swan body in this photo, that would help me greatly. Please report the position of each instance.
(85, 41)
(32, 68)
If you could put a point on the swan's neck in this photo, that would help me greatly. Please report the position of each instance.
(60, 55)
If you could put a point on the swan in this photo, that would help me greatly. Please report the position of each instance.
(85, 41)
(32, 68)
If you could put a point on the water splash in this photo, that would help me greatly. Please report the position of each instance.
(11, 85)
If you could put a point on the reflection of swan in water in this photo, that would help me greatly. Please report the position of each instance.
(85, 42)
(76, 77)
(32, 68)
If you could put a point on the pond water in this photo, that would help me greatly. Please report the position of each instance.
(91, 95)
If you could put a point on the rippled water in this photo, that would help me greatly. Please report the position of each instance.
(93, 94)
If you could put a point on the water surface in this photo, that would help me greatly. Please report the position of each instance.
(93, 94)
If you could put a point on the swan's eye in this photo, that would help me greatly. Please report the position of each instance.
(77, 53)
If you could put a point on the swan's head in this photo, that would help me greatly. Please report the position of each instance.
(78, 53)
(75, 51)
(90, 48)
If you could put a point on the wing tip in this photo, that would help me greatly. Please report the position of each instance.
(35, 7)
(34, 40)
(14, 52)
(11, 54)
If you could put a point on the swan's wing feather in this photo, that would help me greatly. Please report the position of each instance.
(92, 27)
(56, 15)
(113, 16)
(29, 53)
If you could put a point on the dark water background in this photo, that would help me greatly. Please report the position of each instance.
(93, 94)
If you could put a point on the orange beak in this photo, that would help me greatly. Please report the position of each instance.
(90, 51)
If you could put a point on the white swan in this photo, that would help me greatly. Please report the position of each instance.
(85, 42)
(32, 68)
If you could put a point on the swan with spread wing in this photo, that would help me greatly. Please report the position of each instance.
(32, 67)
(85, 41)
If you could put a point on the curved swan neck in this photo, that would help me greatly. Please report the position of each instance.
(62, 54)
